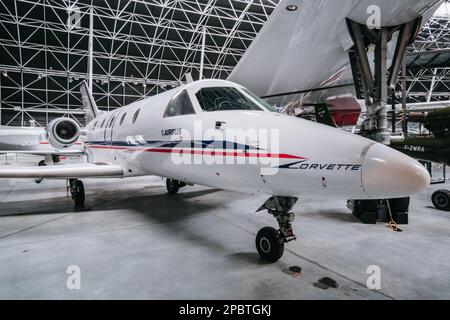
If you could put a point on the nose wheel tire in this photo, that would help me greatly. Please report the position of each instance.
(269, 244)
(77, 192)
(172, 186)
(441, 199)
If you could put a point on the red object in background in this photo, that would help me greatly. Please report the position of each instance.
(345, 110)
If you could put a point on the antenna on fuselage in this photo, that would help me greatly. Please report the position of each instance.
(202, 54)
(189, 78)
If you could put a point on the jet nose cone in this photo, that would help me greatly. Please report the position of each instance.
(387, 173)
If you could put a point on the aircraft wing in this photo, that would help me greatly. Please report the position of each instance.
(69, 152)
(84, 170)
(307, 48)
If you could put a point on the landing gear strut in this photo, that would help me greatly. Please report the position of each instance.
(372, 83)
(43, 163)
(76, 189)
(269, 241)
(40, 164)
(174, 185)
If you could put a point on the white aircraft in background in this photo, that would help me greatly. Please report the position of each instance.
(190, 123)
(41, 141)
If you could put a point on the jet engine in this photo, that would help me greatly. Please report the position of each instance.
(62, 133)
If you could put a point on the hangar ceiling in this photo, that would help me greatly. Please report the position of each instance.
(428, 61)
(140, 48)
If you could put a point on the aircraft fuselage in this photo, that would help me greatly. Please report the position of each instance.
(248, 150)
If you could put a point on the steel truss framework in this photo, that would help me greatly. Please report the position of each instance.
(141, 47)
(430, 84)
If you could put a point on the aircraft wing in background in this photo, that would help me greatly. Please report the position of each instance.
(307, 48)
(65, 171)
(68, 152)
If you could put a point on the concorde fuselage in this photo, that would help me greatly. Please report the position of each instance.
(311, 159)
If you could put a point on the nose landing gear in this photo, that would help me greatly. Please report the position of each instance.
(269, 241)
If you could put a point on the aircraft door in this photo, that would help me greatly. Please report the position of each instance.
(109, 129)
(114, 126)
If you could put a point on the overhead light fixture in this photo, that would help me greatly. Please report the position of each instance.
(144, 84)
(5, 73)
(291, 7)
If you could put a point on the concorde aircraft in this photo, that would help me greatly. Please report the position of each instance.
(219, 134)
(305, 44)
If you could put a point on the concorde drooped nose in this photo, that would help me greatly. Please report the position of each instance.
(387, 173)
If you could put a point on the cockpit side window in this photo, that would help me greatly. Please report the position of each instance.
(224, 98)
(179, 105)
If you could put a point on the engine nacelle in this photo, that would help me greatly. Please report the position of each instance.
(62, 133)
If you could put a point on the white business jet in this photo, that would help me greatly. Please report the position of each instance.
(184, 135)
(36, 140)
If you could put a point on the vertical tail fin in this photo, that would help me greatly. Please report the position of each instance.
(89, 104)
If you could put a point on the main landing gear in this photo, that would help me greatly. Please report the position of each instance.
(269, 241)
(76, 189)
(43, 163)
(174, 185)
(441, 199)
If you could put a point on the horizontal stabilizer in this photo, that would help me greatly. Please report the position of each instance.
(84, 170)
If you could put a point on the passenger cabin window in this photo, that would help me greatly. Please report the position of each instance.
(179, 105)
(122, 119)
(94, 126)
(135, 116)
(103, 123)
(224, 98)
(112, 121)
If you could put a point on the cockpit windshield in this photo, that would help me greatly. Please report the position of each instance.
(224, 98)
(265, 104)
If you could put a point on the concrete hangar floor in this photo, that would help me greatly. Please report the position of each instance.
(134, 241)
